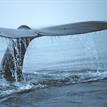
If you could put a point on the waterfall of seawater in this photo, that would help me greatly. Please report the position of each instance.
(12, 63)
(16, 59)
(92, 48)
(95, 48)
(60, 73)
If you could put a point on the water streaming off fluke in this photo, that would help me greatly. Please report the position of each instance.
(58, 61)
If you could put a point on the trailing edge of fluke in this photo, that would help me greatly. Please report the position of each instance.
(60, 30)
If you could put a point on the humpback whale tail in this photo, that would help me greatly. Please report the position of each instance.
(12, 62)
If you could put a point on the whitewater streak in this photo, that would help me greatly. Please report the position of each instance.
(42, 80)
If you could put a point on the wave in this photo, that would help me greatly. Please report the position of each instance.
(46, 79)
(62, 77)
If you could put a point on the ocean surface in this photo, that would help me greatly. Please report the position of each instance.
(60, 71)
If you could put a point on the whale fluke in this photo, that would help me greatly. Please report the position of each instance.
(12, 62)
(60, 30)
